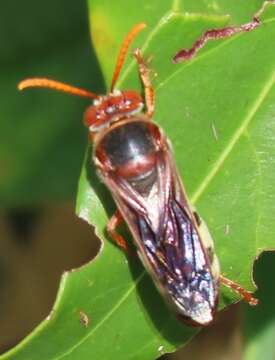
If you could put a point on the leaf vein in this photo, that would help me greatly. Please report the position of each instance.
(106, 317)
(234, 139)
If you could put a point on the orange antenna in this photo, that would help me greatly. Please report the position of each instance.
(123, 51)
(56, 85)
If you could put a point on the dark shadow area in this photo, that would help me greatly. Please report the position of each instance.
(257, 319)
(30, 274)
(22, 223)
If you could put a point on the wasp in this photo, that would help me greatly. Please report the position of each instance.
(134, 159)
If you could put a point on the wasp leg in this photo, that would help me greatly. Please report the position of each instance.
(113, 223)
(246, 295)
(145, 78)
(91, 137)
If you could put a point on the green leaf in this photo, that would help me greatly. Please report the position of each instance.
(240, 13)
(229, 87)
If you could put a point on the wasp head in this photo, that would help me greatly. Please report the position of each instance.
(108, 109)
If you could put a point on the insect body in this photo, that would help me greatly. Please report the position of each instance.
(135, 163)
(134, 159)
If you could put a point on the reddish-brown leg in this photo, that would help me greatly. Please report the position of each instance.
(113, 223)
(145, 78)
(246, 295)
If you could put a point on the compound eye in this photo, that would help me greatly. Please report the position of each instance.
(90, 116)
(95, 118)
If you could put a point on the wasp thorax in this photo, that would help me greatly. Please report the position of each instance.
(131, 151)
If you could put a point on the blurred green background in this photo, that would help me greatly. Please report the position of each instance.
(42, 146)
(42, 142)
